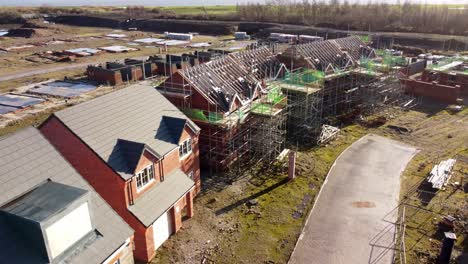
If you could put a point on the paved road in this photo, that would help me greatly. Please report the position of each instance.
(28, 73)
(32, 72)
(352, 221)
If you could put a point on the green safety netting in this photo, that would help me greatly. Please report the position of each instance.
(200, 115)
(262, 108)
(364, 38)
(305, 76)
(367, 64)
(389, 60)
(275, 95)
(214, 117)
(195, 114)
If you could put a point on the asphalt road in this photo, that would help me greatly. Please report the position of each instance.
(354, 215)
(28, 73)
(32, 72)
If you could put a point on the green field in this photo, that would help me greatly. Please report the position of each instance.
(194, 10)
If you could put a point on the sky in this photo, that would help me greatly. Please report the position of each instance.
(177, 2)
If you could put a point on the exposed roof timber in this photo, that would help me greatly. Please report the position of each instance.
(341, 53)
(237, 74)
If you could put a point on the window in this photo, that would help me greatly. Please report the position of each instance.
(190, 175)
(144, 177)
(185, 148)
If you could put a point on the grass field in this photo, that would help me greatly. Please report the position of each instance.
(195, 10)
(226, 229)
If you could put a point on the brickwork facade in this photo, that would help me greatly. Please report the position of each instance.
(120, 193)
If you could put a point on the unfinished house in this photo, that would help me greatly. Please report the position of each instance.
(240, 117)
(140, 153)
(49, 213)
(330, 79)
(170, 64)
(115, 73)
(445, 81)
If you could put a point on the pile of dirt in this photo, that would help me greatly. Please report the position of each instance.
(33, 29)
(32, 32)
(155, 25)
(182, 26)
(33, 24)
(22, 32)
(89, 21)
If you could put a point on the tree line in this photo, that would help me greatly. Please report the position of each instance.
(398, 17)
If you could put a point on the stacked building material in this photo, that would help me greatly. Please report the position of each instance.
(441, 173)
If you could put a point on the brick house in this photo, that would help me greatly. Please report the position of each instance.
(446, 81)
(48, 211)
(216, 96)
(141, 155)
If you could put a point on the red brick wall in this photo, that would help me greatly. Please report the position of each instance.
(104, 180)
(192, 161)
(439, 92)
(443, 79)
(104, 76)
(197, 101)
(117, 192)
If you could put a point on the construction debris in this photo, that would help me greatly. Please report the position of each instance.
(441, 173)
(117, 49)
(328, 133)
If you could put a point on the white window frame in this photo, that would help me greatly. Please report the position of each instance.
(139, 177)
(185, 148)
(190, 175)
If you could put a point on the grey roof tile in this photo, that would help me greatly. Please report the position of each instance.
(133, 114)
(16, 178)
(174, 186)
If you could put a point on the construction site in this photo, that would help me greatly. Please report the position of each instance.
(275, 114)
(252, 104)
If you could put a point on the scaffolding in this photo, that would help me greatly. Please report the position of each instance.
(276, 105)
(231, 139)
(340, 92)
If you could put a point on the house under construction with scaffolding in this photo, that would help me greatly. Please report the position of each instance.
(240, 116)
(334, 80)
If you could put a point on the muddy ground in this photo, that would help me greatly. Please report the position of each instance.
(259, 29)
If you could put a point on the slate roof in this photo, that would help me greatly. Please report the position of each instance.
(27, 160)
(157, 200)
(127, 154)
(44, 201)
(134, 114)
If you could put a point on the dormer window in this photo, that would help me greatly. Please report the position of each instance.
(185, 148)
(144, 177)
(56, 217)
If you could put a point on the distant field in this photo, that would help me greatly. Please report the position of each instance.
(194, 10)
(180, 10)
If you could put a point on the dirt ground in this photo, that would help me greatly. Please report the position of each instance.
(257, 217)
(439, 135)
(23, 63)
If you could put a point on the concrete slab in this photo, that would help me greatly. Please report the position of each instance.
(353, 218)
(19, 101)
(63, 89)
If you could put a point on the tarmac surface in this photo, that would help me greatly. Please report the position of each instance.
(354, 215)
